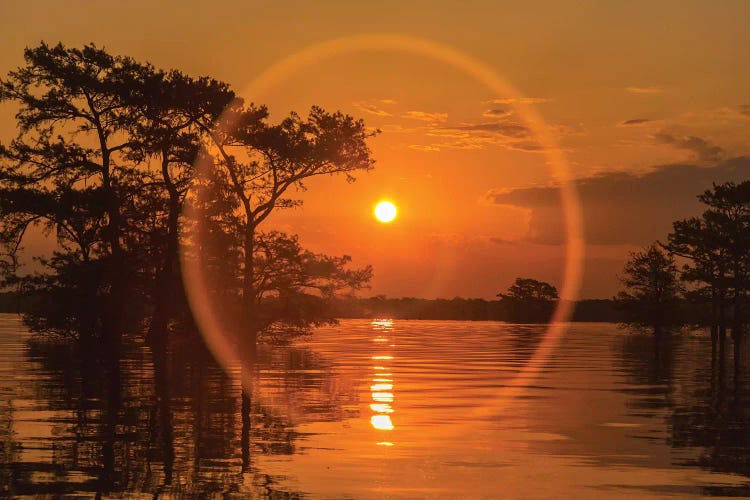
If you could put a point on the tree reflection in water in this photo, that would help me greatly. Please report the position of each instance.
(177, 425)
(181, 425)
(708, 424)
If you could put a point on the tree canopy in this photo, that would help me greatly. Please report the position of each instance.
(105, 161)
(652, 288)
(529, 301)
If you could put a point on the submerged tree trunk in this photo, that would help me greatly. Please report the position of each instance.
(722, 323)
(658, 331)
(116, 272)
(164, 408)
(722, 333)
(714, 325)
(737, 343)
(246, 427)
(249, 311)
(110, 420)
(165, 292)
(737, 329)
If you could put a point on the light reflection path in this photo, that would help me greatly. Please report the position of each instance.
(382, 387)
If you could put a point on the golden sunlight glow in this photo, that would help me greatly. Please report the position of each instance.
(385, 211)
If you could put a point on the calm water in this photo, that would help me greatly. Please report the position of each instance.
(403, 409)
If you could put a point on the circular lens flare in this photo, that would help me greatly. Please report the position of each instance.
(217, 327)
(385, 211)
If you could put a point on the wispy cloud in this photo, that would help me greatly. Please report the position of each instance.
(500, 128)
(374, 107)
(637, 121)
(429, 148)
(644, 90)
(426, 116)
(702, 149)
(506, 128)
(501, 241)
(520, 100)
(496, 113)
(506, 133)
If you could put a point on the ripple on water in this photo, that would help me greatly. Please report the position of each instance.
(388, 408)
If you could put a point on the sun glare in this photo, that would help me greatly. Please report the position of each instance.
(385, 211)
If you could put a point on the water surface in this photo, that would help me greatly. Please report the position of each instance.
(380, 409)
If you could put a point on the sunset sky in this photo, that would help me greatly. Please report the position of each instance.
(650, 103)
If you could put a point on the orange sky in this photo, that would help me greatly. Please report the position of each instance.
(629, 87)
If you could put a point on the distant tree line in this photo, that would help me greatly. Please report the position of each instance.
(105, 162)
(595, 310)
(526, 301)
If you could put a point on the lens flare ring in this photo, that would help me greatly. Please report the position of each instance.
(209, 321)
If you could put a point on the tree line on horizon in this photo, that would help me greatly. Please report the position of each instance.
(106, 162)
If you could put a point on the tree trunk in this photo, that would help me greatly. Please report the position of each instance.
(165, 286)
(246, 427)
(112, 320)
(737, 341)
(722, 332)
(164, 408)
(249, 302)
(737, 320)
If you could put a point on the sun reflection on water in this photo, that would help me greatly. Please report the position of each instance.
(382, 422)
(382, 386)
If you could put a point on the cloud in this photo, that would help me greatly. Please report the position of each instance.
(506, 133)
(644, 90)
(622, 208)
(701, 149)
(497, 113)
(567, 130)
(430, 148)
(636, 121)
(520, 100)
(526, 146)
(426, 116)
(501, 241)
(506, 128)
(373, 108)
(743, 109)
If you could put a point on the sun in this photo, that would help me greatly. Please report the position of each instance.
(385, 211)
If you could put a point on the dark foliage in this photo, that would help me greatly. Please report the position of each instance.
(104, 162)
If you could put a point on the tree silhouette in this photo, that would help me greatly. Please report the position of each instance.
(293, 289)
(717, 246)
(529, 301)
(652, 289)
(729, 214)
(104, 160)
(698, 241)
(169, 107)
(263, 161)
(70, 141)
